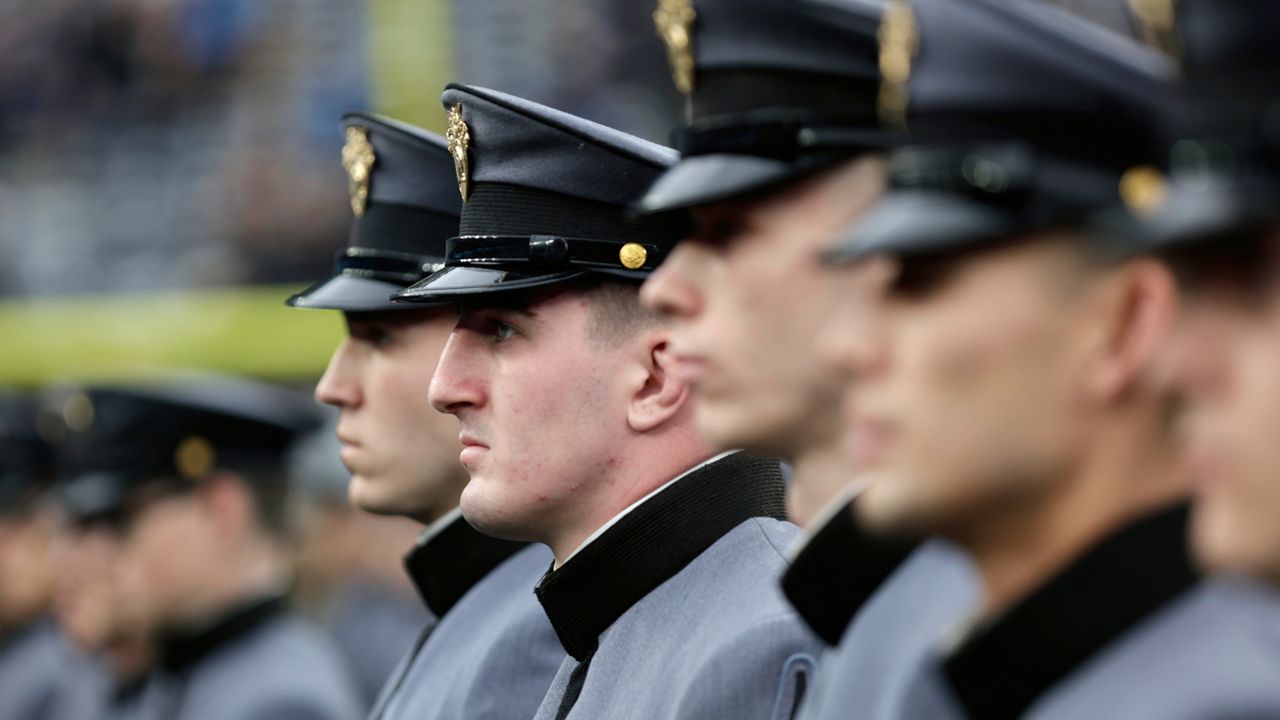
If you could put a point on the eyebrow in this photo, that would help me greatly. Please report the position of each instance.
(520, 305)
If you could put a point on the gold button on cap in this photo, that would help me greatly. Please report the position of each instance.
(633, 256)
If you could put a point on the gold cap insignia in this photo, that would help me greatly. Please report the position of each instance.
(459, 137)
(358, 159)
(77, 412)
(632, 256)
(1157, 20)
(899, 41)
(194, 457)
(674, 19)
(1143, 190)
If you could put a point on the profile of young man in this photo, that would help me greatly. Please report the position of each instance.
(578, 433)
(1002, 382)
(783, 149)
(487, 650)
(33, 653)
(192, 470)
(1218, 224)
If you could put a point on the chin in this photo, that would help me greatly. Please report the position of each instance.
(725, 427)
(1220, 545)
(885, 509)
(491, 516)
(371, 497)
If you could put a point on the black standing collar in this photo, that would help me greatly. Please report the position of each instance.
(180, 651)
(450, 558)
(837, 569)
(653, 542)
(1005, 666)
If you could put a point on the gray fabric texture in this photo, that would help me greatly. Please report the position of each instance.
(283, 670)
(492, 656)
(717, 640)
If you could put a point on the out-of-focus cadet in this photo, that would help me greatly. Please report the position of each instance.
(33, 653)
(1219, 225)
(101, 600)
(782, 152)
(195, 465)
(1002, 384)
(344, 578)
(577, 432)
(487, 650)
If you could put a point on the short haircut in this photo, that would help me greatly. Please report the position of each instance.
(616, 311)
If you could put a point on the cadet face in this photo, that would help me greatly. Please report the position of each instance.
(962, 402)
(747, 296)
(99, 599)
(26, 576)
(542, 405)
(400, 451)
(1224, 360)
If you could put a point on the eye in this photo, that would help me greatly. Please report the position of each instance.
(373, 334)
(502, 331)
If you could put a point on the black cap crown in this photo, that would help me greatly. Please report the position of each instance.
(406, 206)
(1225, 156)
(112, 439)
(1020, 117)
(546, 198)
(26, 460)
(776, 89)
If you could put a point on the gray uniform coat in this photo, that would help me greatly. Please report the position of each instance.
(258, 663)
(492, 654)
(675, 611)
(867, 675)
(31, 662)
(1125, 632)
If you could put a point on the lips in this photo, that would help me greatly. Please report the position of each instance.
(868, 439)
(691, 368)
(469, 440)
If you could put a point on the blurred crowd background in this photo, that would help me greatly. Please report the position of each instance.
(169, 174)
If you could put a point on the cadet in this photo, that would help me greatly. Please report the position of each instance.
(577, 433)
(783, 151)
(344, 578)
(196, 465)
(488, 650)
(31, 650)
(101, 600)
(1002, 394)
(1218, 225)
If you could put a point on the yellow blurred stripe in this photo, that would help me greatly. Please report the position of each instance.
(411, 52)
(94, 338)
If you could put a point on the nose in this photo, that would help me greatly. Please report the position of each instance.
(853, 341)
(339, 385)
(671, 291)
(457, 383)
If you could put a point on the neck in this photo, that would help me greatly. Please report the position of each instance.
(256, 572)
(819, 473)
(1020, 548)
(658, 472)
(130, 658)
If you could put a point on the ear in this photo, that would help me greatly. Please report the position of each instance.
(655, 392)
(1141, 321)
(227, 503)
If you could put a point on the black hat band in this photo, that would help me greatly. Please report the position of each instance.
(780, 134)
(539, 253)
(735, 92)
(403, 228)
(1011, 176)
(1099, 142)
(387, 265)
(496, 209)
